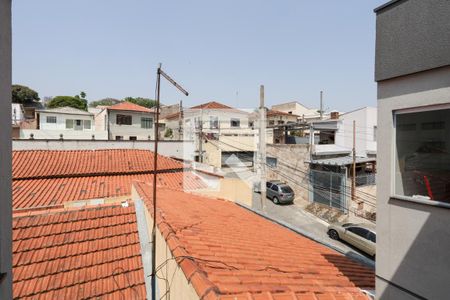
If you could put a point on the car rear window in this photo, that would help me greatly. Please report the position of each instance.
(286, 189)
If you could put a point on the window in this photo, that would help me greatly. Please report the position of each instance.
(123, 120)
(286, 189)
(271, 162)
(375, 128)
(251, 124)
(372, 237)
(133, 138)
(51, 119)
(119, 138)
(235, 122)
(69, 124)
(87, 124)
(359, 231)
(422, 166)
(271, 122)
(268, 184)
(280, 122)
(214, 122)
(146, 122)
(274, 188)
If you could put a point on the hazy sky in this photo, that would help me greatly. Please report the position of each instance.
(218, 50)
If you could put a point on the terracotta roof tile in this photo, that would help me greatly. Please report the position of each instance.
(84, 253)
(128, 106)
(226, 249)
(211, 105)
(35, 193)
(49, 163)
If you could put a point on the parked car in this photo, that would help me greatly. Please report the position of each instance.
(279, 192)
(362, 236)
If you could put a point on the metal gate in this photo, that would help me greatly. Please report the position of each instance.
(328, 188)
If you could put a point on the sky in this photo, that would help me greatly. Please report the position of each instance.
(217, 50)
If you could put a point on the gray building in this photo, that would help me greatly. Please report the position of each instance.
(5, 151)
(413, 201)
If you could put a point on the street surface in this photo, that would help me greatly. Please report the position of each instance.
(294, 217)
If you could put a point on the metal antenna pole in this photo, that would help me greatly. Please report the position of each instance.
(155, 169)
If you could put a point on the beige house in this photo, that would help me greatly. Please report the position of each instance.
(224, 136)
(295, 108)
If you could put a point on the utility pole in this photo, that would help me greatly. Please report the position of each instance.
(262, 146)
(159, 73)
(321, 105)
(180, 120)
(354, 162)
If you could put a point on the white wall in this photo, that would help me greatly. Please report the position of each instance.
(130, 130)
(60, 124)
(365, 120)
(178, 149)
(54, 134)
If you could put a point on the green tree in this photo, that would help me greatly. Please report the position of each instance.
(23, 94)
(146, 102)
(104, 102)
(61, 101)
(168, 133)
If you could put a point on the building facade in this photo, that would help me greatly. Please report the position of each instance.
(413, 199)
(295, 108)
(63, 123)
(126, 121)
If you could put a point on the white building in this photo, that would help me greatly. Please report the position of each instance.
(63, 123)
(336, 134)
(17, 113)
(295, 108)
(126, 121)
(225, 132)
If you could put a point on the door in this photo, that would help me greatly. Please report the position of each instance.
(78, 125)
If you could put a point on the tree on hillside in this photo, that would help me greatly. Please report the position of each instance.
(104, 102)
(146, 102)
(61, 101)
(23, 94)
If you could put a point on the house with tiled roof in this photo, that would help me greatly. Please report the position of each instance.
(223, 135)
(127, 121)
(214, 249)
(55, 179)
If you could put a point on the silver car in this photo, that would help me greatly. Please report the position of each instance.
(362, 236)
(279, 192)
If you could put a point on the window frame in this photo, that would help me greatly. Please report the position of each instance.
(394, 153)
(87, 122)
(52, 117)
(234, 120)
(124, 117)
(147, 119)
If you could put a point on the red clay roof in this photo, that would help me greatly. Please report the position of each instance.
(211, 105)
(78, 254)
(52, 163)
(34, 193)
(272, 112)
(228, 252)
(128, 106)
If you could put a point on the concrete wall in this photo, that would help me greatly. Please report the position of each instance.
(178, 149)
(130, 130)
(412, 36)
(177, 285)
(5, 151)
(413, 239)
(49, 134)
(291, 167)
(365, 121)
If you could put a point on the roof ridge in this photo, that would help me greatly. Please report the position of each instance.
(192, 270)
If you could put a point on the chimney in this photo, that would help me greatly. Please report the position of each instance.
(334, 115)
